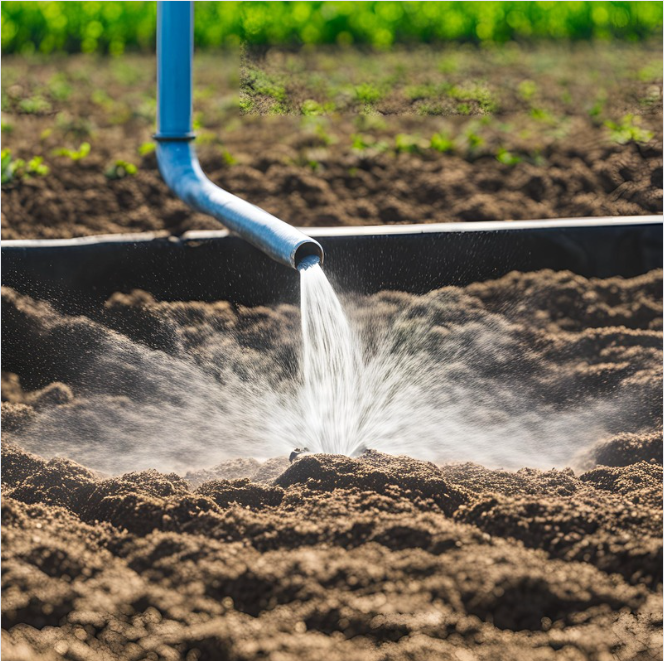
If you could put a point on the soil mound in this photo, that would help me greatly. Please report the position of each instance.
(626, 449)
(372, 558)
(350, 567)
(399, 478)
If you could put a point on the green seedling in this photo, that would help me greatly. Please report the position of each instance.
(121, 169)
(597, 109)
(482, 95)
(542, 115)
(59, 88)
(246, 105)
(475, 141)
(147, 148)
(74, 155)
(324, 136)
(408, 144)
(8, 166)
(628, 129)
(7, 127)
(441, 142)
(367, 93)
(279, 109)
(13, 169)
(362, 142)
(102, 99)
(228, 158)
(652, 72)
(258, 83)
(527, 90)
(36, 166)
(507, 158)
(197, 122)
(35, 105)
(311, 108)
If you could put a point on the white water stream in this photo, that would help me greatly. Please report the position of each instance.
(436, 377)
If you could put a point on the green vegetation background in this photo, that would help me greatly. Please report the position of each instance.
(113, 27)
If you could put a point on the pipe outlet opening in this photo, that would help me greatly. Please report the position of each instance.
(308, 253)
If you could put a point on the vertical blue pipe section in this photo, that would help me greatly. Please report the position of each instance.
(175, 54)
(176, 153)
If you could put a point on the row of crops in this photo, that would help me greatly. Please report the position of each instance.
(113, 27)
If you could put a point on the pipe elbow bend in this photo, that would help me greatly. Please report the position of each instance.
(182, 173)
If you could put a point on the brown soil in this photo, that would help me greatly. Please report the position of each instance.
(379, 557)
(561, 157)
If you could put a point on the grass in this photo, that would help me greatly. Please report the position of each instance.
(114, 27)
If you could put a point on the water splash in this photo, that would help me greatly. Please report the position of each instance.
(436, 377)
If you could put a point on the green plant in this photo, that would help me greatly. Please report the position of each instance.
(651, 72)
(246, 105)
(362, 142)
(74, 155)
(597, 109)
(441, 142)
(8, 166)
(102, 99)
(59, 88)
(367, 93)
(542, 115)
(628, 129)
(507, 157)
(258, 83)
(121, 169)
(311, 108)
(115, 26)
(17, 168)
(527, 90)
(408, 144)
(37, 167)
(147, 148)
(35, 105)
(474, 139)
(229, 159)
(7, 127)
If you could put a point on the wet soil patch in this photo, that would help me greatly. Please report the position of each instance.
(375, 557)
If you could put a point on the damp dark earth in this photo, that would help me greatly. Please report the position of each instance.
(375, 557)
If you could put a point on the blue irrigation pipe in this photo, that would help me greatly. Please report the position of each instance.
(176, 154)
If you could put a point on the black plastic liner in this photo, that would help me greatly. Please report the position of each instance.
(79, 274)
